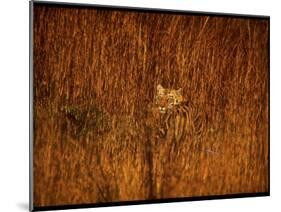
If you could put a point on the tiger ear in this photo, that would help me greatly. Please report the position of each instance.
(179, 91)
(159, 88)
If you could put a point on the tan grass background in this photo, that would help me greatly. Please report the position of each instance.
(95, 74)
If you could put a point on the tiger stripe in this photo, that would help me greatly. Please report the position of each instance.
(185, 120)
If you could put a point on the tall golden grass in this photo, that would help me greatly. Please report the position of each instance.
(95, 75)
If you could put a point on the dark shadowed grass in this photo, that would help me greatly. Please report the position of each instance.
(95, 75)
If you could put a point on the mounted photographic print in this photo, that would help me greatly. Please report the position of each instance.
(135, 105)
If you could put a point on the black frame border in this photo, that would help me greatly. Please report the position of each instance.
(130, 9)
(154, 201)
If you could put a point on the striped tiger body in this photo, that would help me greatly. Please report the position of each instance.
(184, 120)
(179, 117)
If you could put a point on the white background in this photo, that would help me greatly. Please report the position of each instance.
(14, 104)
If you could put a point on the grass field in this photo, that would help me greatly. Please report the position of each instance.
(95, 75)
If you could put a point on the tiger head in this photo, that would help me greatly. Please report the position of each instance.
(167, 99)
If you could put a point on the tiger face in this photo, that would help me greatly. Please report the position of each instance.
(167, 99)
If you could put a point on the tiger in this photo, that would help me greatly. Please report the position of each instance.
(184, 117)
